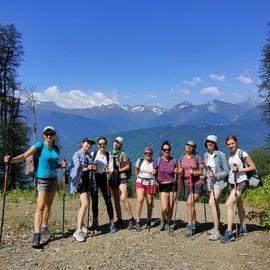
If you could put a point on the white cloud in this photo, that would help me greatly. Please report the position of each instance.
(210, 91)
(150, 96)
(75, 98)
(194, 81)
(217, 77)
(183, 92)
(244, 79)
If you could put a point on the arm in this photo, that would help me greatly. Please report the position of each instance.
(31, 151)
(250, 165)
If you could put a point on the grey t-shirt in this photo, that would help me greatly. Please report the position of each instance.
(119, 163)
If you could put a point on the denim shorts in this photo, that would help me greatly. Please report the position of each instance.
(220, 185)
(239, 186)
(46, 184)
(196, 189)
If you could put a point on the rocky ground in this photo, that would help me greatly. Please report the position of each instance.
(126, 249)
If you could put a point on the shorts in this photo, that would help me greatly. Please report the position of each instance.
(169, 187)
(115, 183)
(148, 189)
(46, 184)
(84, 186)
(239, 186)
(196, 189)
(220, 185)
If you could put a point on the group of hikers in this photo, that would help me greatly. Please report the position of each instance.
(89, 172)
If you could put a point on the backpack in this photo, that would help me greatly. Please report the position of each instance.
(254, 179)
(32, 163)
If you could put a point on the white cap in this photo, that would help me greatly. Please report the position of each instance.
(49, 128)
(211, 138)
(119, 139)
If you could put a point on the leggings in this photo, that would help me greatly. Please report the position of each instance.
(102, 183)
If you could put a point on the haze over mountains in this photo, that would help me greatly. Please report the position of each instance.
(195, 121)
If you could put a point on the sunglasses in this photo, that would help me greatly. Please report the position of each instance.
(49, 134)
(148, 154)
(166, 149)
(188, 144)
(101, 144)
(210, 142)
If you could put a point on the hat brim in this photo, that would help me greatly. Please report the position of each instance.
(89, 141)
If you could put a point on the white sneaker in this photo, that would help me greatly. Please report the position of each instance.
(210, 232)
(215, 236)
(84, 231)
(78, 235)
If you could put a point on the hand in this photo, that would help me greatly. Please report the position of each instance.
(235, 168)
(116, 171)
(202, 178)
(94, 167)
(64, 164)
(106, 169)
(7, 159)
(180, 170)
(190, 171)
(210, 174)
(154, 172)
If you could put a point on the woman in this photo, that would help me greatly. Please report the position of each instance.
(118, 182)
(145, 184)
(102, 158)
(237, 184)
(216, 172)
(79, 181)
(46, 176)
(165, 169)
(191, 167)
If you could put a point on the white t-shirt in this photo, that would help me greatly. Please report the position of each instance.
(101, 161)
(235, 159)
(145, 171)
(211, 162)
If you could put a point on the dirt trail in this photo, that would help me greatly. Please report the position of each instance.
(127, 249)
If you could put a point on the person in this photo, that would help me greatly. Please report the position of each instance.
(216, 172)
(191, 167)
(118, 182)
(238, 182)
(145, 184)
(79, 181)
(165, 168)
(105, 165)
(47, 155)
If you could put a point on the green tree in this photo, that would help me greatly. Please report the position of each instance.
(261, 158)
(13, 132)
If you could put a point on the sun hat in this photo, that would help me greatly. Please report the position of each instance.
(211, 138)
(88, 140)
(119, 139)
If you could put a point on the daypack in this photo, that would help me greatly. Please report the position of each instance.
(254, 179)
(32, 163)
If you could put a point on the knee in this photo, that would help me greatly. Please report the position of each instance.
(40, 207)
(123, 198)
(211, 203)
(84, 205)
(229, 204)
(139, 201)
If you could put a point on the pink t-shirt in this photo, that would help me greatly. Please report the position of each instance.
(191, 163)
(165, 169)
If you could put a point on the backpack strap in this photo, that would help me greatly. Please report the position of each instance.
(140, 163)
(107, 157)
(94, 156)
(240, 154)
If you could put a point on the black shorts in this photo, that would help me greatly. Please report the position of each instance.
(85, 184)
(196, 189)
(116, 182)
(169, 187)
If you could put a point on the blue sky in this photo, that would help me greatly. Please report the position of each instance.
(85, 53)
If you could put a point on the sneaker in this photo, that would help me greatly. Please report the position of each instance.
(45, 234)
(113, 228)
(188, 230)
(84, 231)
(79, 236)
(162, 225)
(209, 232)
(243, 231)
(36, 240)
(138, 226)
(131, 224)
(119, 223)
(214, 236)
(227, 237)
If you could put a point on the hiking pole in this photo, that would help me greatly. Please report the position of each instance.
(88, 207)
(64, 200)
(4, 200)
(235, 194)
(177, 195)
(175, 181)
(151, 209)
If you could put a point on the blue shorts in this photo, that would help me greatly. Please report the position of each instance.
(196, 189)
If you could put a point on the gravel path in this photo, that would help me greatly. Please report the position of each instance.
(126, 249)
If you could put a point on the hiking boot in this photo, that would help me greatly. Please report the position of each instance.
(214, 236)
(79, 236)
(113, 228)
(45, 234)
(209, 232)
(188, 230)
(243, 231)
(227, 237)
(131, 224)
(95, 224)
(84, 231)
(119, 223)
(36, 240)
(138, 226)
(162, 224)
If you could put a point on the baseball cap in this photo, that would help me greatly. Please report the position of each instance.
(48, 128)
(119, 139)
